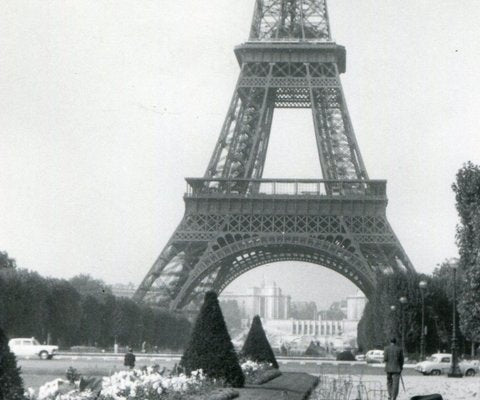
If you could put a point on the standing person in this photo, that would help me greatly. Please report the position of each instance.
(393, 358)
(129, 360)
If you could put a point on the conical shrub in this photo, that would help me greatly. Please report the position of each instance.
(256, 346)
(210, 346)
(11, 383)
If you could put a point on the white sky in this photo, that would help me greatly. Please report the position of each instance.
(105, 107)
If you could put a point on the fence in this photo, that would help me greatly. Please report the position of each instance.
(348, 388)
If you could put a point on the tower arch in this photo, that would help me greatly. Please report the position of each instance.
(239, 257)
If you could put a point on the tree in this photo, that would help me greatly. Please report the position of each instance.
(379, 322)
(90, 315)
(232, 315)
(210, 347)
(303, 310)
(127, 320)
(6, 262)
(11, 383)
(64, 312)
(85, 285)
(256, 346)
(467, 196)
(90, 323)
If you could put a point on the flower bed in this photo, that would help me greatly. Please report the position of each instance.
(139, 384)
(258, 373)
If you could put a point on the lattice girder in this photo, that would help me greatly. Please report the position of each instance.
(290, 20)
(223, 237)
(235, 220)
(278, 76)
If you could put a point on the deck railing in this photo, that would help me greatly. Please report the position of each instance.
(285, 187)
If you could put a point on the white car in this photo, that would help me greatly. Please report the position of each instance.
(374, 356)
(360, 357)
(440, 363)
(26, 347)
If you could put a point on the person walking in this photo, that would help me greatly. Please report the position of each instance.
(393, 358)
(129, 360)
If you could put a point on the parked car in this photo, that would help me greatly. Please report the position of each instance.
(440, 363)
(360, 357)
(26, 347)
(374, 356)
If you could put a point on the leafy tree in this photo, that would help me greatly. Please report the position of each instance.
(334, 313)
(6, 262)
(379, 322)
(127, 322)
(11, 383)
(467, 196)
(92, 316)
(256, 346)
(21, 316)
(85, 285)
(64, 312)
(232, 314)
(303, 310)
(210, 347)
(90, 323)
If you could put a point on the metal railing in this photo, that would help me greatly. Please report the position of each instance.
(348, 388)
(289, 40)
(285, 187)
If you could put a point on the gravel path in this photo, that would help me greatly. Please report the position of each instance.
(449, 388)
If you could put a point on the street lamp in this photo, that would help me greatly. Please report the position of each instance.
(403, 301)
(393, 320)
(422, 286)
(454, 370)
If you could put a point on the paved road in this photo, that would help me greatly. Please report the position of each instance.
(105, 364)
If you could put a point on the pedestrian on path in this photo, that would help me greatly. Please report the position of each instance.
(393, 358)
(129, 360)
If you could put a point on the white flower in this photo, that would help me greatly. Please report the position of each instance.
(51, 388)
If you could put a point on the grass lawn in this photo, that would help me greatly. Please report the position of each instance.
(289, 385)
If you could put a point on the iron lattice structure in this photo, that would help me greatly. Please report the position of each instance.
(235, 220)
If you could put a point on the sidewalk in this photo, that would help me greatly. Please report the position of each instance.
(289, 385)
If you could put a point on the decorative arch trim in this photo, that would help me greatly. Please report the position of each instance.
(256, 251)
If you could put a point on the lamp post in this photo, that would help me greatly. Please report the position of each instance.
(403, 301)
(393, 319)
(422, 286)
(454, 369)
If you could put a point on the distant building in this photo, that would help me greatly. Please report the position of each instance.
(332, 328)
(267, 301)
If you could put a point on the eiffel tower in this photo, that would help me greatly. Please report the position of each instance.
(234, 220)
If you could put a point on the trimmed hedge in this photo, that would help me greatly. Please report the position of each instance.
(266, 376)
(256, 346)
(345, 356)
(11, 383)
(210, 346)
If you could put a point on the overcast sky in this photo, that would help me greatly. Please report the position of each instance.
(105, 107)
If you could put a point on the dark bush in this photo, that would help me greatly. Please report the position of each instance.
(315, 350)
(265, 376)
(345, 356)
(210, 346)
(256, 346)
(11, 383)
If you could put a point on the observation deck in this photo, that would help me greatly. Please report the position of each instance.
(291, 196)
